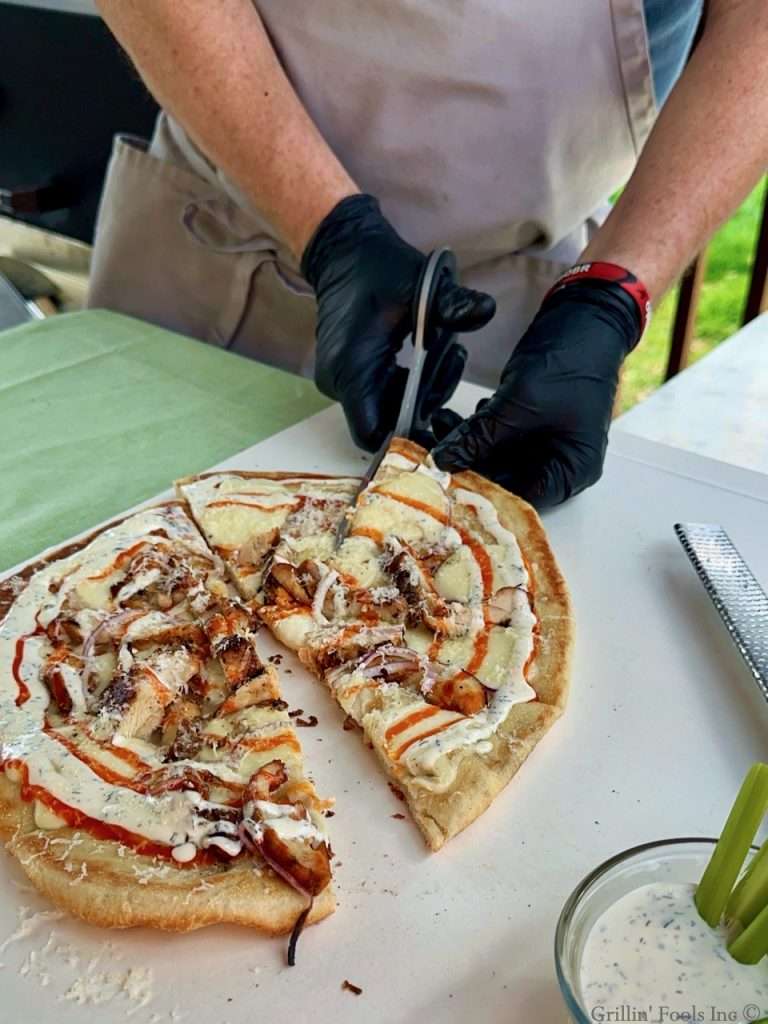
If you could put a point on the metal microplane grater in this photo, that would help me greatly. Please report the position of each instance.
(739, 599)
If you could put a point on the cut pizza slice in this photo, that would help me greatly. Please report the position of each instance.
(455, 698)
(151, 773)
(442, 625)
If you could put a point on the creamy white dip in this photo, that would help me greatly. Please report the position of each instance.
(650, 953)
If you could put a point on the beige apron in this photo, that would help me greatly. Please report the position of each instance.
(496, 127)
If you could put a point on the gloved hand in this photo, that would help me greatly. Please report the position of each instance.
(544, 433)
(365, 278)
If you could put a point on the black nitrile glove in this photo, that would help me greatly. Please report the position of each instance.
(365, 278)
(544, 433)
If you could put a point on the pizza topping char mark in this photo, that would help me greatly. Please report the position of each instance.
(283, 574)
(335, 648)
(253, 554)
(414, 582)
(62, 674)
(463, 694)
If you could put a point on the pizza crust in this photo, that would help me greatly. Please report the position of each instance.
(110, 893)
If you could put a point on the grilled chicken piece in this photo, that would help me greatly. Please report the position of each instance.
(256, 550)
(179, 716)
(266, 780)
(132, 705)
(413, 580)
(283, 574)
(305, 866)
(264, 686)
(156, 577)
(183, 634)
(504, 603)
(187, 741)
(388, 663)
(461, 693)
(387, 603)
(64, 630)
(347, 644)
(230, 634)
(172, 778)
(62, 675)
(139, 696)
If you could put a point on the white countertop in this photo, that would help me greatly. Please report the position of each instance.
(663, 721)
(718, 407)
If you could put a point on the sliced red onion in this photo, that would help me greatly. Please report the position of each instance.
(106, 629)
(321, 593)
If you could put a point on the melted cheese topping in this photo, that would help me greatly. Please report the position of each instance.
(233, 511)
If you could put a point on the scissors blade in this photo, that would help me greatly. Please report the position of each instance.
(405, 418)
(404, 423)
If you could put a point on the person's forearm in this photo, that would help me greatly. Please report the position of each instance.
(213, 67)
(706, 151)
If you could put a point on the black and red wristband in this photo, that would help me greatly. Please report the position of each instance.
(625, 279)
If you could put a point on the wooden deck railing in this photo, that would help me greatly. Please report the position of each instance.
(684, 325)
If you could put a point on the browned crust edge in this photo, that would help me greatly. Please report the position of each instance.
(109, 893)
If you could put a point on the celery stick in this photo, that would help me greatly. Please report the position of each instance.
(751, 946)
(751, 894)
(728, 857)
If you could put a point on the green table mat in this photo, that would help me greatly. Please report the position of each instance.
(99, 411)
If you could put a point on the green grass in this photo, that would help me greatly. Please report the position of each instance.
(721, 307)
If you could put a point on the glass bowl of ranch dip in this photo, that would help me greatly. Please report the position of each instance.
(630, 945)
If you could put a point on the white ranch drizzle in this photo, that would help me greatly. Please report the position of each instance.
(280, 818)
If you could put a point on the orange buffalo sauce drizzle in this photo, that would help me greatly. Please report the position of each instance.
(99, 829)
(105, 773)
(410, 720)
(420, 506)
(422, 715)
(368, 531)
(18, 657)
(115, 778)
(252, 504)
(122, 558)
(425, 735)
(282, 739)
